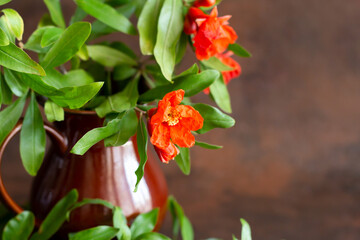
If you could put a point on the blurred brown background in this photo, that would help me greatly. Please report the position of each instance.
(291, 164)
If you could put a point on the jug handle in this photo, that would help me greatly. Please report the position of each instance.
(55, 136)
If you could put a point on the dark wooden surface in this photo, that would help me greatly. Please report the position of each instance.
(291, 165)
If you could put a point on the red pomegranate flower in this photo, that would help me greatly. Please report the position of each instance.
(204, 3)
(190, 26)
(226, 59)
(213, 35)
(172, 124)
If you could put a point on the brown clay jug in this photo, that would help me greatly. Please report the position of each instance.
(102, 172)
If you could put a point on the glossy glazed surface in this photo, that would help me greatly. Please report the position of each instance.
(102, 172)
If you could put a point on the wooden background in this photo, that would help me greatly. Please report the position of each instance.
(291, 164)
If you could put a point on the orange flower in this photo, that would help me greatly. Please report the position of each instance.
(172, 124)
(204, 3)
(226, 59)
(213, 36)
(190, 26)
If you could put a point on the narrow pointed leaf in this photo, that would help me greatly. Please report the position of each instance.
(53, 112)
(239, 50)
(19, 227)
(6, 94)
(96, 135)
(50, 36)
(69, 43)
(142, 142)
(121, 101)
(107, 15)
(34, 41)
(220, 94)
(15, 84)
(119, 221)
(147, 25)
(10, 116)
(180, 220)
(3, 2)
(108, 56)
(4, 40)
(245, 231)
(170, 27)
(16, 59)
(207, 145)
(213, 118)
(152, 236)
(144, 223)
(127, 129)
(32, 138)
(215, 63)
(183, 160)
(56, 217)
(55, 12)
(95, 233)
(14, 22)
(191, 84)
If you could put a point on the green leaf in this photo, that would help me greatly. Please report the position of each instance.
(181, 47)
(34, 41)
(10, 116)
(107, 15)
(19, 227)
(108, 56)
(144, 223)
(121, 101)
(147, 25)
(16, 85)
(86, 201)
(14, 22)
(32, 138)
(100, 29)
(4, 26)
(78, 16)
(83, 53)
(213, 118)
(183, 160)
(180, 220)
(207, 145)
(239, 50)
(152, 236)
(96, 135)
(56, 217)
(215, 63)
(119, 221)
(6, 94)
(246, 231)
(234, 238)
(50, 36)
(53, 111)
(68, 44)
(170, 27)
(76, 78)
(194, 69)
(3, 2)
(127, 128)
(95, 233)
(55, 12)
(220, 94)
(4, 40)
(76, 97)
(122, 47)
(142, 142)
(16, 59)
(123, 72)
(191, 84)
